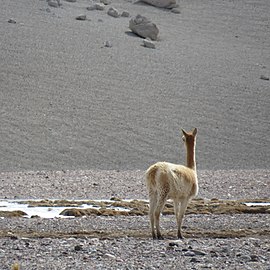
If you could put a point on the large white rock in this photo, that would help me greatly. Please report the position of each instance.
(161, 3)
(143, 27)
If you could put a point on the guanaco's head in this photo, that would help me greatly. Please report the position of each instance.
(189, 137)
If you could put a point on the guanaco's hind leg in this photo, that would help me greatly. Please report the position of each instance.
(181, 214)
(160, 204)
(152, 208)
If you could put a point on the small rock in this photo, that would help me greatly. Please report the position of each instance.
(254, 258)
(105, 2)
(35, 216)
(189, 254)
(194, 260)
(176, 10)
(113, 12)
(109, 256)
(71, 1)
(96, 6)
(93, 241)
(108, 44)
(12, 21)
(173, 244)
(78, 248)
(198, 252)
(149, 44)
(54, 3)
(161, 3)
(264, 78)
(117, 199)
(125, 14)
(81, 17)
(245, 258)
(93, 7)
(143, 27)
(100, 6)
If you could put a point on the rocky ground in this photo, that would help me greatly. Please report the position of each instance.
(212, 240)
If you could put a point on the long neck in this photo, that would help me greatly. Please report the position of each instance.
(191, 161)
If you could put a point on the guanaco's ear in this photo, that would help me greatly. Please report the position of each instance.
(184, 132)
(194, 132)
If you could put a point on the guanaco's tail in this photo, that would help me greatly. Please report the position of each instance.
(150, 177)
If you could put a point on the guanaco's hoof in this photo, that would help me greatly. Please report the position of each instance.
(180, 236)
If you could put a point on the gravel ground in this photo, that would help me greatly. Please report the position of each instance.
(238, 241)
(97, 184)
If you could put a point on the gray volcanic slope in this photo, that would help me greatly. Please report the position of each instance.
(66, 101)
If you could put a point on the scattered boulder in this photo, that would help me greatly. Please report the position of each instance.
(176, 10)
(108, 44)
(161, 3)
(81, 17)
(109, 256)
(11, 21)
(263, 77)
(71, 1)
(143, 27)
(96, 6)
(149, 44)
(125, 14)
(105, 2)
(54, 3)
(113, 12)
(78, 248)
(100, 6)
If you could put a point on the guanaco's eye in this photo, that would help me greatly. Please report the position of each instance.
(183, 138)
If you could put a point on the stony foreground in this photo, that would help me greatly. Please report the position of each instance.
(212, 240)
(125, 243)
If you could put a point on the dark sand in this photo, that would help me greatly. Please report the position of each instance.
(68, 102)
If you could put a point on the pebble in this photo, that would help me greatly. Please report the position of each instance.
(125, 14)
(109, 256)
(263, 77)
(173, 244)
(149, 44)
(96, 6)
(54, 3)
(108, 44)
(105, 2)
(176, 10)
(189, 254)
(12, 21)
(198, 252)
(81, 17)
(78, 248)
(194, 260)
